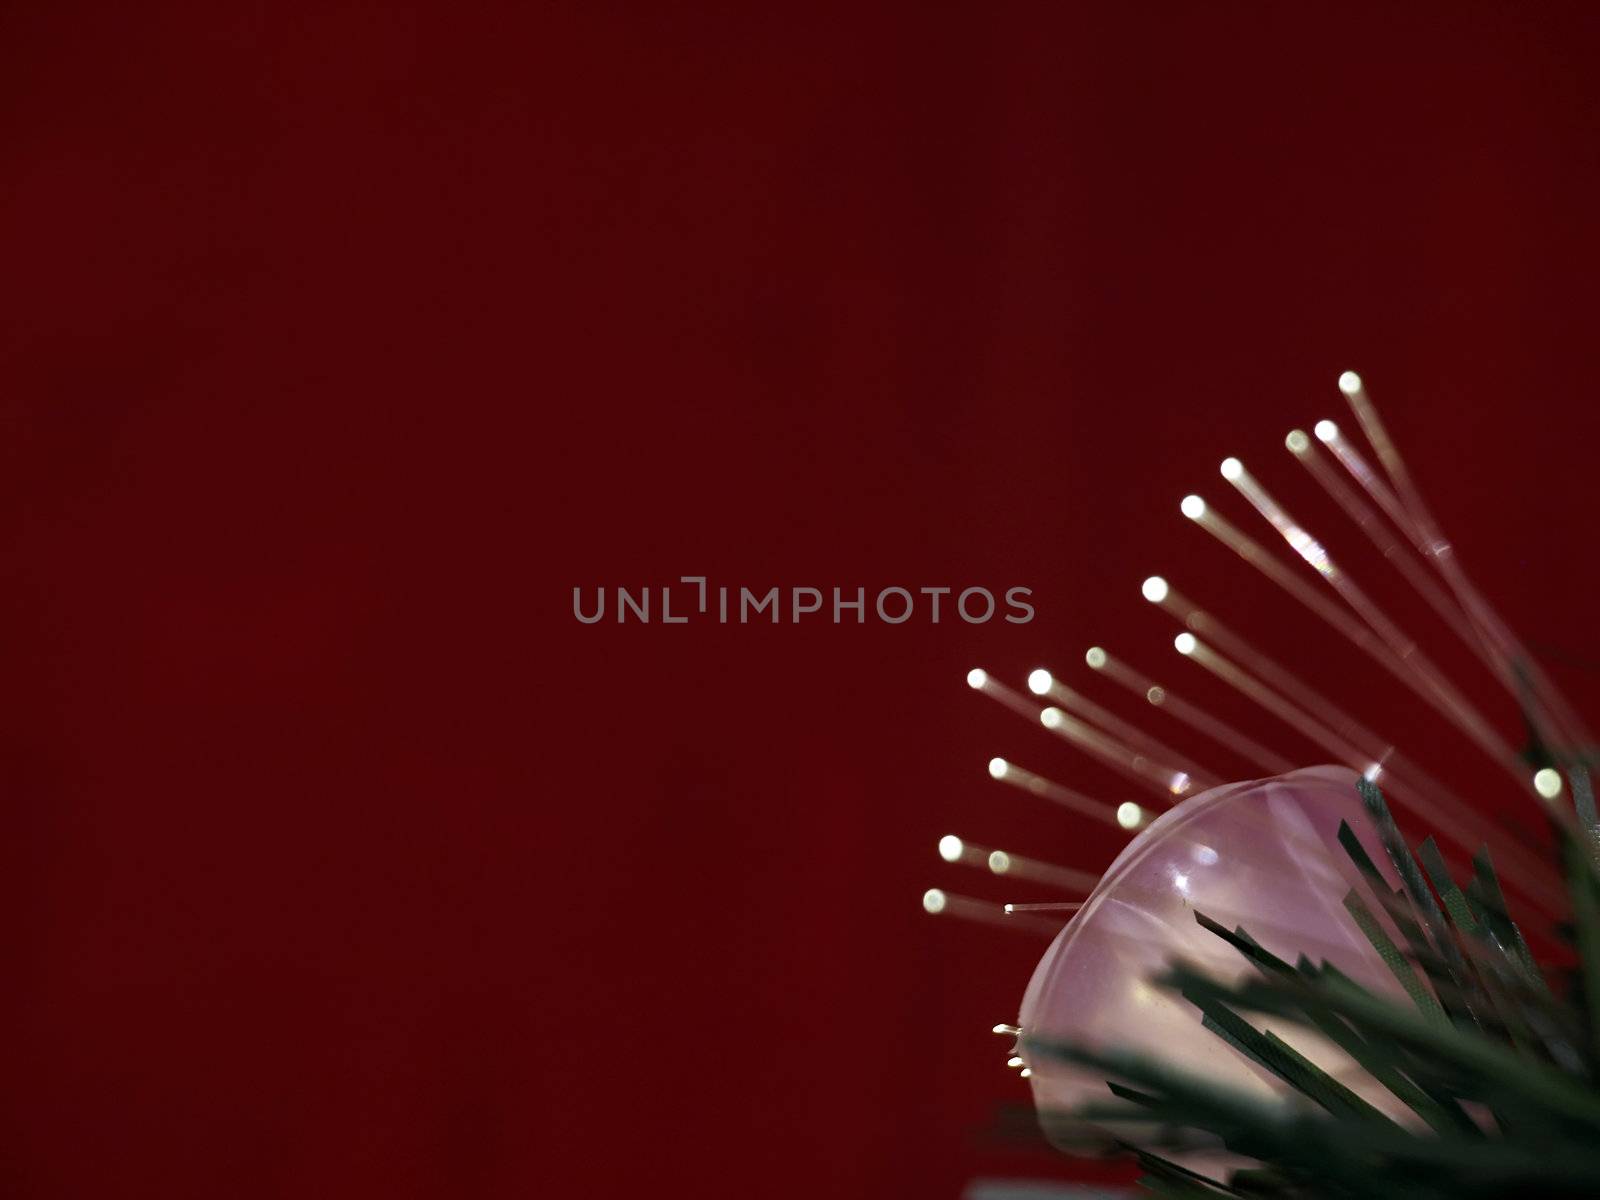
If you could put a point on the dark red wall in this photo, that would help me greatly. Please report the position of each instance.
(341, 343)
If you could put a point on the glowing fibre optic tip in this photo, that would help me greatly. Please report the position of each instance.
(1232, 468)
(998, 768)
(933, 901)
(977, 677)
(1193, 507)
(1297, 441)
(1051, 717)
(1349, 383)
(1039, 681)
(1372, 772)
(1547, 783)
(1129, 815)
(1326, 431)
(950, 848)
(1184, 643)
(1154, 589)
(1095, 657)
(999, 862)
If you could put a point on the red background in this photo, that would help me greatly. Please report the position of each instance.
(340, 344)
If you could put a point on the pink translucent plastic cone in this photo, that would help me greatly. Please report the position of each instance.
(1263, 855)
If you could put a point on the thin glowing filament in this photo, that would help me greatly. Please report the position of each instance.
(1554, 718)
(1498, 653)
(1258, 557)
(1406, 508)
(1355, 393)
(1521, 674)
(1290, 714)
(1392, 548)
(1199, 621)
(1413, 665)
(1378, 749)
(1196, 718)
(1038, 785)
(937, 902)
(982, 681)
(1172, 785)
(1253, 553)
(1130, 734)
(954, 849)
(1459, 823)
(1371, 482)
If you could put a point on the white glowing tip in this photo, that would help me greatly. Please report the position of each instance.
(999, 862)
(933, 901)
(977, 677)
(1154, 589)
(1326, 431)
(950, 848)
(1095, 657)
(998, 767)
(1297, 441)
(1051, 717)
(1232, 468)
(1372, 772)
(1129, 815)
(1547, 783)
(1349, 383)
(1193, 507)
(1039, 681)
(1184, 643)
